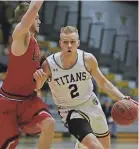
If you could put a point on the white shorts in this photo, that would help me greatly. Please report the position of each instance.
(90, 110)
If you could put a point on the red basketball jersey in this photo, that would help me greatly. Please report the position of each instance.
(19, 80)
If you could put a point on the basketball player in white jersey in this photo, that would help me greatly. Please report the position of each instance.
(70, 72)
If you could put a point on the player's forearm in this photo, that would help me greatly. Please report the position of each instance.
(39, 84)
(109, 88)
(30, 15)
(35, 4)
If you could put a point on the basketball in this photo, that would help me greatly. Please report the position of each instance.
(124, 112)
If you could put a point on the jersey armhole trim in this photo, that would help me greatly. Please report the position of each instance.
(56, 62)
(84, 63)
(50, 77)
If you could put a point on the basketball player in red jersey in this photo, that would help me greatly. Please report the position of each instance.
(19, 105)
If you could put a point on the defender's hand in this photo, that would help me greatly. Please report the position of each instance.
(40, 77)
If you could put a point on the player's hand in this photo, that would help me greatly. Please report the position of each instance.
(40, 77)
(126, 97)
(39, 74)
(135, 102)
(129, 98)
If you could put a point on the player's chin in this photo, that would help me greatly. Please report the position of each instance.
(37, 30)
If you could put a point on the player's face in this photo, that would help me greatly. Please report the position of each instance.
(36, 24)
(69, 42)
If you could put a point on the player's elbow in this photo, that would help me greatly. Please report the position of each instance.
(29, 17)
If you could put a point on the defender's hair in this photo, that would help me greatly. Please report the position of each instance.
(69, 29)
(20, 10)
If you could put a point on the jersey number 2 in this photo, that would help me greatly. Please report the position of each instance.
(74, 90)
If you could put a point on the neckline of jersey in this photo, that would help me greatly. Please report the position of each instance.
(62, 67)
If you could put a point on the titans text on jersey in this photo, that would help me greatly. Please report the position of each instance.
(79, 76)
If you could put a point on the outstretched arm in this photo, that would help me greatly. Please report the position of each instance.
(27, 20)
(106, 85)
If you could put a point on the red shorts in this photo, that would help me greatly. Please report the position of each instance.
(23, 115)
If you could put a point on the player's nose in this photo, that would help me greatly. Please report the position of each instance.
(69, 45)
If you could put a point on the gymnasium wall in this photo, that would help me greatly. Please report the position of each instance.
(123, 17)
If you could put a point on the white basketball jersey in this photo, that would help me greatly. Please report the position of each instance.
(70, 87)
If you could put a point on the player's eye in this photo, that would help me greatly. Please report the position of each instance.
(66, 42)
(72, 42)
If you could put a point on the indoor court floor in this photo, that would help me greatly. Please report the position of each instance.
(30, 143)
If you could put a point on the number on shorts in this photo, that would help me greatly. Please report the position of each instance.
(74, 90)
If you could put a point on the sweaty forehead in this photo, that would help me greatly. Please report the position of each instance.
(69, 36)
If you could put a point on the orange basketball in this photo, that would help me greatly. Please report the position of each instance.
(124, 112)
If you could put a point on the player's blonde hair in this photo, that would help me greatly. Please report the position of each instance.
(68, 30)
(20, 10)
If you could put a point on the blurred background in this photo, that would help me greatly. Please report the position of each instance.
(107, 29)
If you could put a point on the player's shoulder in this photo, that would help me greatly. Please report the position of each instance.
(88, 56)
(15, 31)
(84, 52)
(89, 59)
(53, 56)
(16, 37)
(50, 56)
